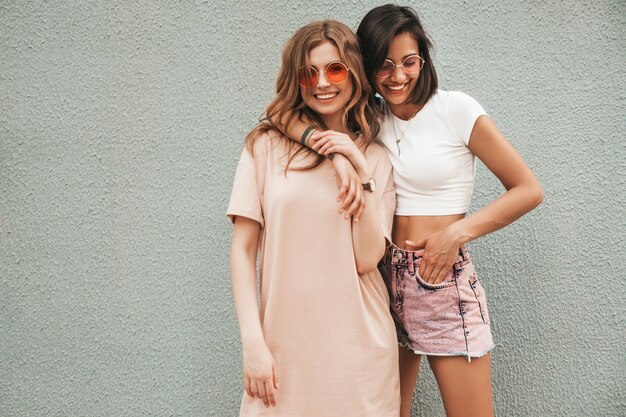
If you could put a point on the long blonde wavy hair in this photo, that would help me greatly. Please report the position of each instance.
(362, 113)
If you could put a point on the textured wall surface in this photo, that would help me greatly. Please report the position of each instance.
(120, 126)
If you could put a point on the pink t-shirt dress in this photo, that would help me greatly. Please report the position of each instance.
(329, 328)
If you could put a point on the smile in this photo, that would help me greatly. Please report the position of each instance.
(397, 87)
(326, 96)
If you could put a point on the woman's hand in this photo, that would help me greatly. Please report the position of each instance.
(260, 375)
(331, 142)
(440, 252)
(350, 198)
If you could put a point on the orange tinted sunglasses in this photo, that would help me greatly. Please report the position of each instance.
(336, 72)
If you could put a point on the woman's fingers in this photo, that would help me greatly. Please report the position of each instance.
(323, 148)
(246, 385)
(319, 135)
(435, 270)
(271, 395)
(437, 275)
(357, 200)
(346, 176)
(344, 185)
(415, 245)
(262, 392)
(275, 378)
(259, 372)
(313, 141)
(350, 196)
(320, 139)
(345, 201)
(331, 142)
(253, 388)
(344, 150)
(332, 147)
(353, 206)
(424, 270)
(447, 267)
(359, 212)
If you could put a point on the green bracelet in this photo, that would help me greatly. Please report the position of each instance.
(305, 135)
(306, 141)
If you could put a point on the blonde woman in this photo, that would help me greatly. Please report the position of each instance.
(322, 342)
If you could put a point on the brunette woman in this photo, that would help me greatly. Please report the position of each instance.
(433, 138)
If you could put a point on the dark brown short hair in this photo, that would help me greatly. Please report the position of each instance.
(376, 31)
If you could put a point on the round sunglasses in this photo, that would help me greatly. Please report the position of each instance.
(336, 72)
(410, 65)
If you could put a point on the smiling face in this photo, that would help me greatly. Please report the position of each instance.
(397, 88)
(325, 98)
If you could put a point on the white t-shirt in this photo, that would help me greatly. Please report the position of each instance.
(433, 169)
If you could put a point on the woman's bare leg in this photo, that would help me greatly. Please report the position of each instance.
(465, 386)
(409, 368)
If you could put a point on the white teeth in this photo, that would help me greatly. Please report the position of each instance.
(396, 87)
(326, 96)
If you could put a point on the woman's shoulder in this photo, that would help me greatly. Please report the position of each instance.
(453, 106)
(262, 142)
(454, 98)
(269, 137)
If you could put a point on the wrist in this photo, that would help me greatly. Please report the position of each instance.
(364, 174)
(336, 157)
(251, 342)
(361, 167)
(306, 135)
(459, 233)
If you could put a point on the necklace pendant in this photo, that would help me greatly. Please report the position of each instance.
(398, 145)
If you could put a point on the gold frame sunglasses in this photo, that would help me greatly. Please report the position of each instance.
(336, 73)
(388, 66)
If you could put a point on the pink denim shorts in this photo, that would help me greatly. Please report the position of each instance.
(446, 319)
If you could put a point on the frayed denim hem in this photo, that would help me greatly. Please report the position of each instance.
(468, 355)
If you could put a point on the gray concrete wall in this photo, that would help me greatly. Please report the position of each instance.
(120, 126)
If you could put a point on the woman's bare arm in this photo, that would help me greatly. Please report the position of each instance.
(259, 368)
(523, 193)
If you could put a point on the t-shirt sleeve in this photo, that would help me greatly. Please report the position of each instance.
(463, 110)
(386, 198)
(247, 193)
(387, 207)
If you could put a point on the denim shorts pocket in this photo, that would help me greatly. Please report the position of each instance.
(479, 293)
(396, 288)
(444, 284)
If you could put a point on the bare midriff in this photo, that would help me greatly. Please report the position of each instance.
(416, 228)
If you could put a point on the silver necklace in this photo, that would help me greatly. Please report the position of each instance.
(395, 130)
